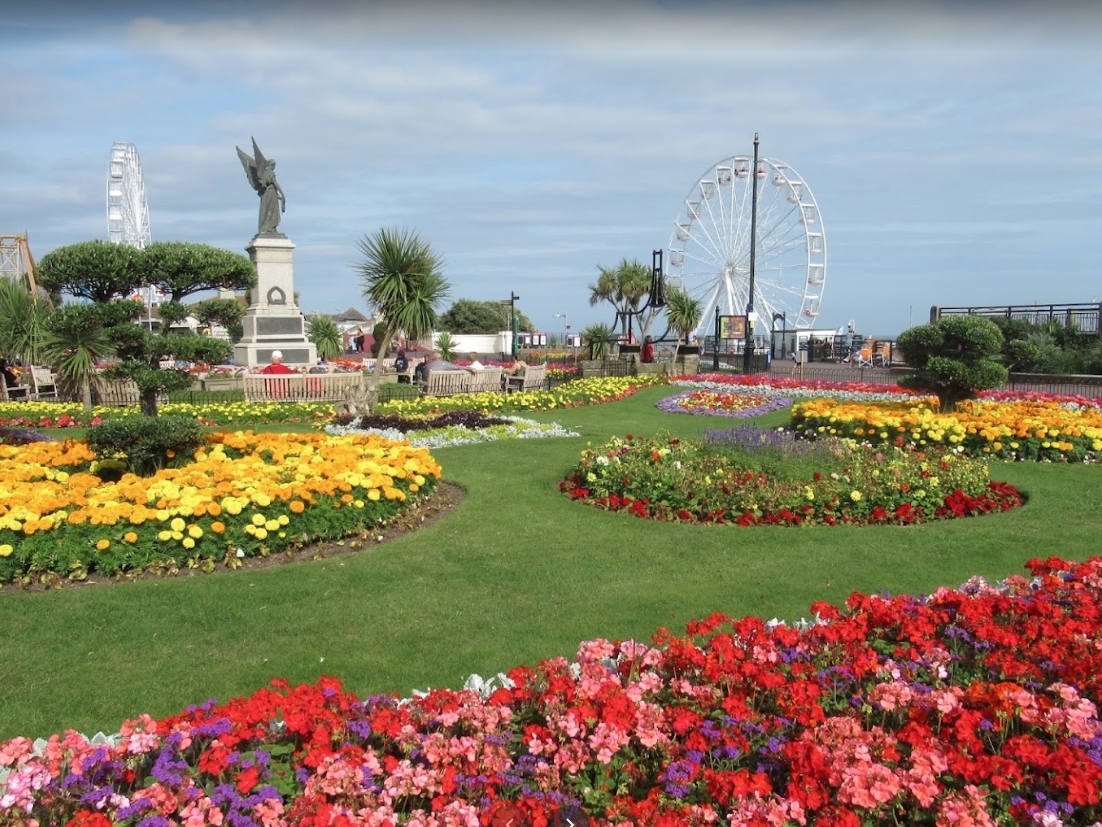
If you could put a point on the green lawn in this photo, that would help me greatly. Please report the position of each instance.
(515, 574)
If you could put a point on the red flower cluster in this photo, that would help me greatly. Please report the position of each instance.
(999, 497)
(973, 706)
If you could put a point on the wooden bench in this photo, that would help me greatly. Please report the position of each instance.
(300, 387)
(533, 379)
(485, 380)
(44, 382)
(446, 383)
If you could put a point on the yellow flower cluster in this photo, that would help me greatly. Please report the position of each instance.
(1027, 429)
(242, 487)
(573, 394)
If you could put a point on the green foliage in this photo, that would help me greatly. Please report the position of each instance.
(181, 269)
(955, 357)
(597, 340)
(483, 317)
(447, 346)
(326, 336)
(1021, 354)
(402, 281)
(378, 334)
(100, 271)
(147, 443)
(750, 473)
(22, 321)
(682, 311)
(75, 339)
(626, 288)
(94, 270)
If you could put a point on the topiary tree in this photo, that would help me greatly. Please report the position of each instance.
(955, 357)
(102, 272)
(377, 334)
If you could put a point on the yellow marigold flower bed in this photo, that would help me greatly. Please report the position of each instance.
(573, 394)
(246, 494)
(1022, 430)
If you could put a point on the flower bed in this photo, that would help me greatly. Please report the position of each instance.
(706, 401)
(973, 706)
(246, 495)
(809, 388)
(449, 429)
(1021, 430)
(573, 394)
(751, 477)
(221, 414)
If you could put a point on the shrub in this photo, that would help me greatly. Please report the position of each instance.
(148, 444)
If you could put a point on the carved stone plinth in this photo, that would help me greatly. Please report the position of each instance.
(273, 321)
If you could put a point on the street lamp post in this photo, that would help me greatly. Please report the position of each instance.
(513, 299)
(715, 344)
(773, 333)
(566, 327)
(748, 349)
(656, 296)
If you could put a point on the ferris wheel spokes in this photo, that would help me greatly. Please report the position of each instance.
(710, 245)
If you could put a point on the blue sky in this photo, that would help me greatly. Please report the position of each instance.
(954, 149)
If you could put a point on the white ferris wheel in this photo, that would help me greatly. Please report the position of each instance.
(709, 249)
(127, 210)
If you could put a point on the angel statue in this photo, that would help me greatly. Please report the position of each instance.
(261, 173)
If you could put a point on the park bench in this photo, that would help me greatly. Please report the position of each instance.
(300, 387)
(487, 379)
(533, 379)
(44, 383)
(446, 383)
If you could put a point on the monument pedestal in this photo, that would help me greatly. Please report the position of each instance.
(273, 321)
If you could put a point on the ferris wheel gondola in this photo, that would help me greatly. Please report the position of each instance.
(709, 246)
(127, 209)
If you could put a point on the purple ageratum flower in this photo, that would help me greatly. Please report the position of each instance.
(359, 728)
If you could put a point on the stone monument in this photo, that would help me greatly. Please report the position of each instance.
(272, 320)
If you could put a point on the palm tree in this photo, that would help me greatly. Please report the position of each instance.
(447, 346)
(326, 336)
(402, 282)
(682, 311)
(22, 321)
(75, 338)
(597, 339)
(624, 287)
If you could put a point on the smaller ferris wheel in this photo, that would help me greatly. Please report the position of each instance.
(127, 209)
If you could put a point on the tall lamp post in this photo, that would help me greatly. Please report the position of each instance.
(748, 349)
(656, 296)
(513, 299)
(773, 333)
(566, 327)
(715, 345)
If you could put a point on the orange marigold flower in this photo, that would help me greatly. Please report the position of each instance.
(217, 527)
(130, 537)
(297, 506)
(103, 545)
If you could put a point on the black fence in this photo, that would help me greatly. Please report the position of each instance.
(1082, 317)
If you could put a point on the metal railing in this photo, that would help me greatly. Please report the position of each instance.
(1082, 317)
